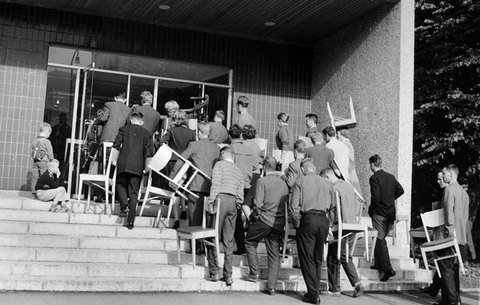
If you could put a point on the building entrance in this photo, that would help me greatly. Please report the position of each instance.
(80, 82)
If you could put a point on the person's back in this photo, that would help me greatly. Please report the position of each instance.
(321, 155)
(270, 196)
(115, 115)
(348, 201)
(456, 202)
(385, 189)
(341, 155)
(219, 134)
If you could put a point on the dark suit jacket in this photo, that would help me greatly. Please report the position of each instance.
(218, 133)
(385, 189)
(321, 155)
(203, 154)
(114, 115)
(151, 117)
(178, 138)
(135, 145)
(293, 172)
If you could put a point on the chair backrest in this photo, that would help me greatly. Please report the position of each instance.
(263, 144)
(432, 219)
(338, 210)
(160, 159)
(112, 159)
(105, 146)
(204, 216)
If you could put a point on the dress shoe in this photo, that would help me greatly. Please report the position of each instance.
(268, 291)
(387, 275)
(307, 299)
(183, 215)
(251, 277)
(358, 290)
(176, 224)
(239, 252)
(228, 280)
(374, 267)
(213, 278)
(130, 225)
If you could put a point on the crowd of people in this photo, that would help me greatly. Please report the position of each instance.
(256, 190)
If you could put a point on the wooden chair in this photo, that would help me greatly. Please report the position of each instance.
(338, 122)
(102, 181)
(340, 230)
(201, 232)
(433, 220)
(263, 144)
(419, 233)
(364, 228)
(156, 164)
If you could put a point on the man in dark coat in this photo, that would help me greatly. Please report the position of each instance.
(151, 117)
(385, 189)
(271, 193)
(135, 146)
(322, 156)
(113, 116)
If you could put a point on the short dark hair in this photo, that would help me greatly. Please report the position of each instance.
(375, 160)
(136, 115)
(282, 116)
(452, 168)
(249, 132)
(235, 131)
(307, 162)
(329, 131)
(243, 101)
(227, 149)
(312, 116)
(121, 94)
(324, 172)
(300, 146)
(270, 163)
(220, 114)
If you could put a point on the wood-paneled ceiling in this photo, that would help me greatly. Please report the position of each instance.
(301, 22)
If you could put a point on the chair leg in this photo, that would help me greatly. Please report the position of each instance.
(159, 213)
(372, 247)
(347, 250)
(355, 238)
(412, 248)
(217, 247)
(365, 233)
(106, 199)
(88, 198)
(169, 211)
(424, 256)
(459, 257)
(285, 243)
(79, 193)
(178, 248)
(194, 252)
(339, 247)
(438, 269)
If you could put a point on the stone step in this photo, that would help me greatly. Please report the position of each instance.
(13, 214)
(87, 284)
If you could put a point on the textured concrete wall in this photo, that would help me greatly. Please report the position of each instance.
(371, 60)
(275, 77)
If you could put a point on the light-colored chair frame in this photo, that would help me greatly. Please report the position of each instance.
(102, 181)
(435, 219)
(201, 232)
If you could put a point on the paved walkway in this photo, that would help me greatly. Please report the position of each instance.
(220, 298)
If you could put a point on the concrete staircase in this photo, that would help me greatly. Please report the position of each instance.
(90, 251)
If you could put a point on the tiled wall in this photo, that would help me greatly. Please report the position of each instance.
(275, 77)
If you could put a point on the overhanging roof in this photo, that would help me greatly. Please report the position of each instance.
(302, 22)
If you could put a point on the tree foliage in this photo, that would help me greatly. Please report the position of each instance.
(447, 95)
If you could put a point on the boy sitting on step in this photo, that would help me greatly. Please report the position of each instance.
(48, 188)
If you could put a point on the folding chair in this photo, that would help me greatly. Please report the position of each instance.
(432, 220)
(419, 233)
(363, 228)
(290, 233)
(201, 232)
(157, 163)
(105, 145)
(102, 181)
(338, 122)
(340, 229)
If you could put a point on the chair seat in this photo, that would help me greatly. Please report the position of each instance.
(354, 227)
(196, 229)
(161, 192)
(442, 242)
